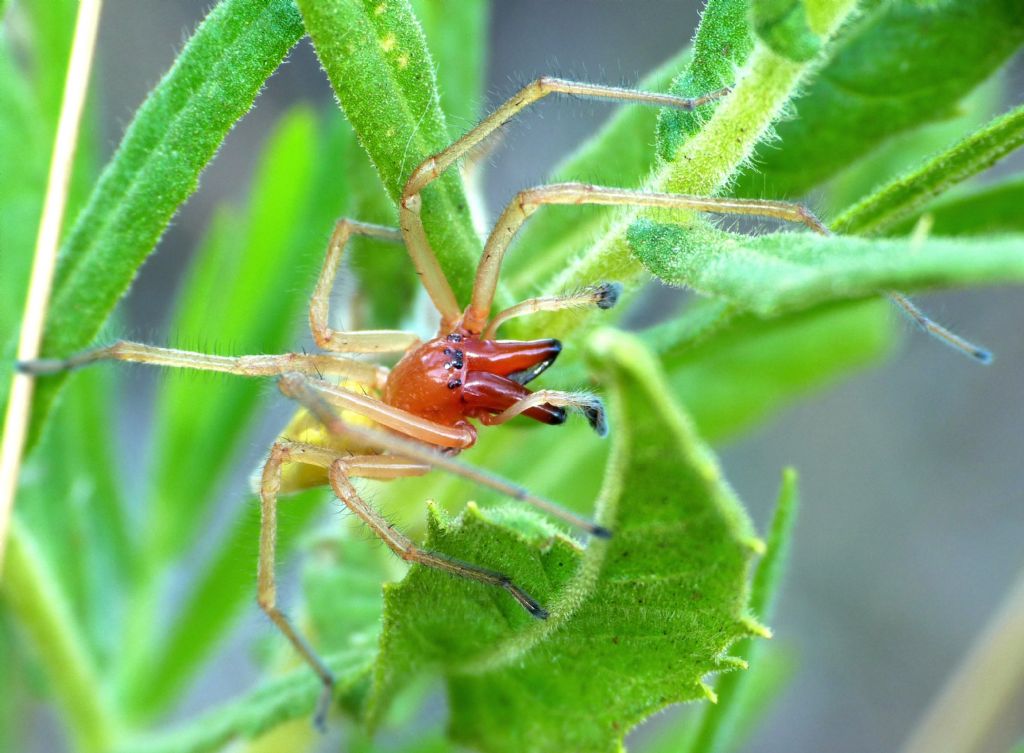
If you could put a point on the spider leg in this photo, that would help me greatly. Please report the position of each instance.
(527, 202)
(340, 473)
(432, 167)
(369, 341)
(604, 296)
(253, 366)
(589, 405)
(320, 399)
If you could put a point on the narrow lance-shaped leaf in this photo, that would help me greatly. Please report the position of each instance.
(992, 208)
(884, 77)
(376, 58)
(248, 290)
(636, 622)
(722, 44)
(909, 192)
(784, 26)
(772, 274)
(171, 139)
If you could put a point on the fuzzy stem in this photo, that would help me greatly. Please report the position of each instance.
(19, 401)
(702, 166)
(34, 598)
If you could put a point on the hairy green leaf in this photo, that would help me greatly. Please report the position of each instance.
(376, 58)
(783, 25)
(718, 722)
(291, 696)
(780, 272)
(457, 36)
(910, 191)
(636, 622)
(175, 133)
(722, 43)
(987, 209)
(899, 66)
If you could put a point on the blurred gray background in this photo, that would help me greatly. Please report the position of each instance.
(912, 522)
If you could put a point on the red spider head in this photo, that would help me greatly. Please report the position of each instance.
(450, 378)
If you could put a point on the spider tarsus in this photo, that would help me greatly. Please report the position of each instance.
(323, 705)
(595, 415)
(42, 366)
(607, 294)
(601, 532)
(982, 356)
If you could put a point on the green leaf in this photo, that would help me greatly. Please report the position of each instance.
(781, 272)
(291, 696)
(457, 37)
(897, 67)
(721, 45)
(636, 622)
(252, 277)
(227, 584)
(173, 136)
(376, 57)
(988, 209)
(718, 723)
(783, 25)
(910, 191)
(752, 367)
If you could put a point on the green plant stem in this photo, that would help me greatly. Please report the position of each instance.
(702, 166)
(35, 599)
(989, 677)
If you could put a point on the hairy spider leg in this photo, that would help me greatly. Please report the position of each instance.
(432, 167)
(319, 398)
(366, 341)
(250, 366)
(526, 202)
(604, 296)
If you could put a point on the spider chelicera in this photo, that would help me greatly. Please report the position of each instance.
(360, 420)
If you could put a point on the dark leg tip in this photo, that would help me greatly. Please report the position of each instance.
(601, 532)
(982, 356)
(596, 418)
(537, 611)
(608, 294)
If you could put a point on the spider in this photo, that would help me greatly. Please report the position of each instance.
(360, 420)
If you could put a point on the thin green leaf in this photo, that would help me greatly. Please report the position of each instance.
(292, 696)
(252, 278)
(722, 44)
(718, 723)
(376, 57)
(784, 26)
(636, 622)
(226, 586)
(173, 136)
(910, 191)
(619, 154)
(899, 66)
(457, 37)
(752, 367)
(988, 209)
(28, 589)
(782, 272)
